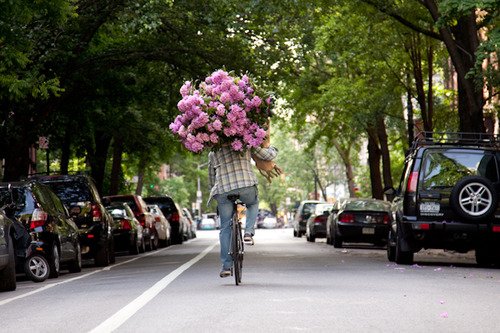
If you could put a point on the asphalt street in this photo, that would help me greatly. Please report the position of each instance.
(289, 285)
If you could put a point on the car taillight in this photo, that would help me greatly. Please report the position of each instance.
(38, 218)
(175, 217)
(411, 187)
(125, 225)
(346, 218)
(142, 219)
(157, 219)
(96, 213)
(386, 219)
(319, 219)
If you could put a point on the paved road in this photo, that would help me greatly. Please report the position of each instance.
(289, 285)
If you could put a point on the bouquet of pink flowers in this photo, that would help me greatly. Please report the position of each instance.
(222, 110)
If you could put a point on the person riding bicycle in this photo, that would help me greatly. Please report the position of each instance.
(231, 172)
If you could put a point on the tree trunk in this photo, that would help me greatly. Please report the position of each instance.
(346, 159)
(65, 152)
(374, 155)
(461, 42)
(384, 150)
(430, 94)
(140, 176)
(97, 158)
(116, 169)
(409, 110)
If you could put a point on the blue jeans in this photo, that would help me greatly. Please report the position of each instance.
(249, 197)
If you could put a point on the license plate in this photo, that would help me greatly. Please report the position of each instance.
(429, 207)
(368, 231)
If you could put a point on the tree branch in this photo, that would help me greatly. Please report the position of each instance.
(402, 20)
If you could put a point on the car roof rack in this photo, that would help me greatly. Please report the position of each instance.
(468, 139)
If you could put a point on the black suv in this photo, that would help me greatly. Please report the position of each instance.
(80, 195)
(448, 198)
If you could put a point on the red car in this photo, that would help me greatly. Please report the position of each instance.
(142, 214)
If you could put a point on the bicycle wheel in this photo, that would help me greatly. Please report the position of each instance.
(237, 250)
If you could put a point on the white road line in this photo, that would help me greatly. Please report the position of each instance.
(48, 286)
(116, 320)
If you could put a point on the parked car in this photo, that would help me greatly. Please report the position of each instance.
(192, 223)
(208, 223)
(448, 198)
(80, 195)
(141, 213)
(128, 233)
(261, 215)
(162, 226)
(360, 221)
(173, 214)
(302, 213)
(316, 223)
(50, 225)
(269, 222)
(7, 256)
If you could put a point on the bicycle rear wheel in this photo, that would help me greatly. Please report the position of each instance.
(237, 250)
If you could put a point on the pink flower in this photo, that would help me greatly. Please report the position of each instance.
(237, 145)
(223, 109)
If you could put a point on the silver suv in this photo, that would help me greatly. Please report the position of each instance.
(448, 198)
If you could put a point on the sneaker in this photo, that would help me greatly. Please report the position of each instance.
(225, 273)
(248, 239)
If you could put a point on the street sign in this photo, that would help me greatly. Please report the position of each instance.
(43, 142)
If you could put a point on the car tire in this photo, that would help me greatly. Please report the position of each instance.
(135, 247)
(8, 274)
(474, 198)
(337, 241)
(76, 265)
(402, 257)
(154, 241)
(102, 257)
(112, 257)
(391, 248)
(485, 256)
(54, 262)
(142, 247)
(295, 234)
(36, 268)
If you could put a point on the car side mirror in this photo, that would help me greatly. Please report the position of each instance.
(389, 190)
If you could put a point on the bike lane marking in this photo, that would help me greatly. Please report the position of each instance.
(116, 320)
(48, 286)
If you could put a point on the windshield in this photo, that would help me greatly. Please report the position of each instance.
(366, 205)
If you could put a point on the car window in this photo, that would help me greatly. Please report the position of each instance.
(444, 168)
(366, 205)
(128, 200)
(71, 192)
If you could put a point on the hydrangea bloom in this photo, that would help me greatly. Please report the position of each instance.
(221, 110)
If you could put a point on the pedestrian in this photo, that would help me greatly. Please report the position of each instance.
(231, 172)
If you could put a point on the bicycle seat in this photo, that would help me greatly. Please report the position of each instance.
(233, 197)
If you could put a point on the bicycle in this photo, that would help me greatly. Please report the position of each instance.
(237, 247)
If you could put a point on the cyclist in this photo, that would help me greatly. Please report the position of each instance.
(231, 172)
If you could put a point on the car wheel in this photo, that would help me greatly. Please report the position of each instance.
(142, 247)
(295, 233)
(102, 257)
(36, 268)
(8, 274)
(112, 257)
(402, 257)
(55, 262)
(337, 241)
(474, 198)
(154, 241)
(135, 246)
(485, 256)
(391, 248)
(76, 265)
